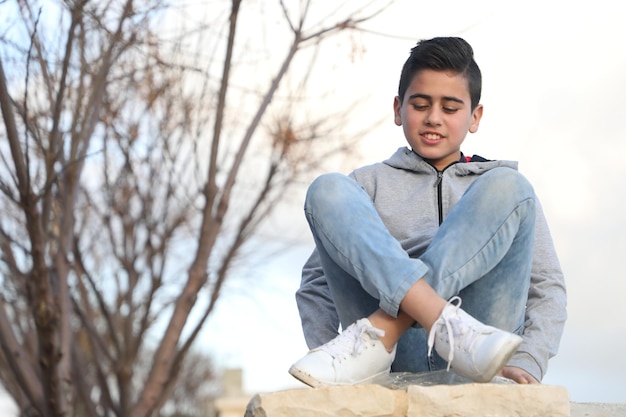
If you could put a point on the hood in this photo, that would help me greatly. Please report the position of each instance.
(405, 158)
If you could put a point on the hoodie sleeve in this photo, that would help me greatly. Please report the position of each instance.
(546, 307)
(320, 322)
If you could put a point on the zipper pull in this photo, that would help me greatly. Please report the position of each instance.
(439, 178)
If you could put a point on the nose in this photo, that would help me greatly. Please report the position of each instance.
(433, 117)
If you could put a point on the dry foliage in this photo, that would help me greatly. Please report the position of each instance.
(138, 157)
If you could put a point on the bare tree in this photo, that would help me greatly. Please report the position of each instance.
(138, 158)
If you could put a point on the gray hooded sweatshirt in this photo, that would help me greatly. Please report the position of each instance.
(413, 219)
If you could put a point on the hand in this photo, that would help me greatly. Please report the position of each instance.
(518, 375)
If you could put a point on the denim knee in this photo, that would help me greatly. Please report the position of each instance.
(505, 182)
(326, 193)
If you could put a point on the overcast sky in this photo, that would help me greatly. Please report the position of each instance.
(553, 94)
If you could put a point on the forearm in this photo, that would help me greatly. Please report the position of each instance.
(546, 307)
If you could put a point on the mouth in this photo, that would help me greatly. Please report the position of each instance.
(432, 138)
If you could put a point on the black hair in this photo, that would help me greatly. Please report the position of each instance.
(443, 54)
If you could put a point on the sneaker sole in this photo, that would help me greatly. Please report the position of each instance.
(500, 360)
(304, 377)
(307, 379)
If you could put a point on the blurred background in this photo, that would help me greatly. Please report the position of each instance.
(553, 96)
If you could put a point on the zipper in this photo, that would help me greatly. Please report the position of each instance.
(439, 195)
(440, 191)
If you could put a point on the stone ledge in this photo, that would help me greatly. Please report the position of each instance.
(466, 400)
(598, 409)
(477, 400)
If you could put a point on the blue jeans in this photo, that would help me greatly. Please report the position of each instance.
(482, 252)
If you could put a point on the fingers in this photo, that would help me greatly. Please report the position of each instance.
(518, 375)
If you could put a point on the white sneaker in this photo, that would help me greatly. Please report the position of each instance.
(473, 349)
(355, 356)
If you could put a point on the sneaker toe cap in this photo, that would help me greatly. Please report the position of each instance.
(315, 369)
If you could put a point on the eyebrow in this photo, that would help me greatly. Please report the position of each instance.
(427, 97)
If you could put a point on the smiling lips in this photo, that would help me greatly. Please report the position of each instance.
(432, 137)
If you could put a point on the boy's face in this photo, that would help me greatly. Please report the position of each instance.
(436, 115)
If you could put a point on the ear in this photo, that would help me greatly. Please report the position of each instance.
(477, 114)
(397, 107)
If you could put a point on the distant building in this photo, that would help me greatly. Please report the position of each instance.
(233, 401)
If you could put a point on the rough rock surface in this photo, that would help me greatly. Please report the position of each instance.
(346, 401)
(478, 400)
(467, 400)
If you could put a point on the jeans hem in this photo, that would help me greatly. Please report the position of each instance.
(391, 306)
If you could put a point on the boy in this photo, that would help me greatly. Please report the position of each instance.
(400, 243)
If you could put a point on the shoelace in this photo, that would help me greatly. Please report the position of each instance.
(443, 319)
(351, 340)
